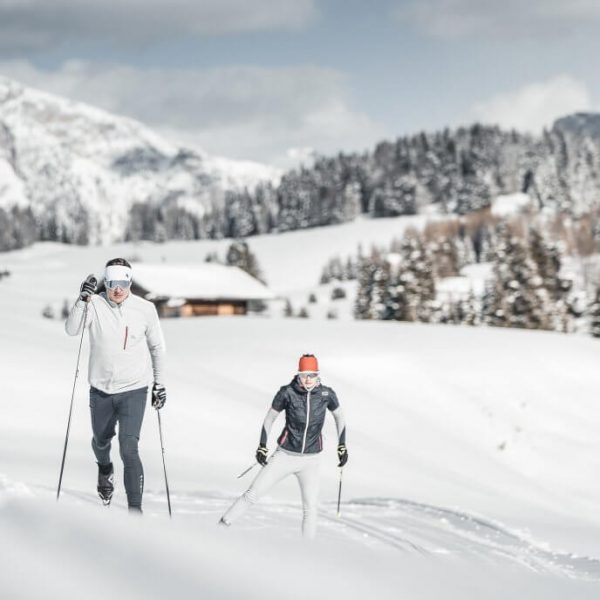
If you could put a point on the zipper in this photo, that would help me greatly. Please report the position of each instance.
(307, 420)
(126, 335)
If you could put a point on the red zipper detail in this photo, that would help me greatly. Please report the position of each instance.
(126, 335)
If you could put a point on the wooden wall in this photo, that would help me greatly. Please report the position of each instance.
(203, 309)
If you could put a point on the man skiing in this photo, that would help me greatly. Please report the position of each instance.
(305, 402)
(125, 336)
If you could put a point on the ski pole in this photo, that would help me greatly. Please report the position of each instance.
(339, 514)
(64, 456)
(162, 447)
(252, 467)
(247, 470)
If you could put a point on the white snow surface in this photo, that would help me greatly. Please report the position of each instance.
(474, 452)
(472, 279)
(206, 280)
(507, 205)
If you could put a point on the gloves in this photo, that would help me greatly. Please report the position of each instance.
(159, 396)
(88, 288)
(261, 455)
(342, 453)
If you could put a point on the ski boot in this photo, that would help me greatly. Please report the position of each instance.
(106, 479)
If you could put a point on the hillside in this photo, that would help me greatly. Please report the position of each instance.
(472, 470)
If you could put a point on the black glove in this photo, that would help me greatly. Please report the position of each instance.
(88, 288)
(159, 396)
(342, 455)
(261, 455)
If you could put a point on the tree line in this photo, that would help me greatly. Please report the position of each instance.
(458, 171)
(526, 287)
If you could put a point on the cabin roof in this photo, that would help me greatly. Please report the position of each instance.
(205, 281)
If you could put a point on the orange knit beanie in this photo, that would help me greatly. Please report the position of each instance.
(308, 363)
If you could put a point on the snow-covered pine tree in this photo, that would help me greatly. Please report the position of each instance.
(265, 207)
(18, 228)
(516, 297)
(412, 290)
(288, 310)
(239, 215)
(338, 293)
(350, 269)
(470, 310)
(336, 269)
(366, 281)
(325, 275)
(547, 257)
(212, 257)
(445, 256)
(240, 255)
(380, 296)
(397, 197)
(493, 311)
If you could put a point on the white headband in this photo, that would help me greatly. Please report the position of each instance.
(117, 273)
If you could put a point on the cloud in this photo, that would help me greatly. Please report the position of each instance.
(239, 112)
(506, 19)
(535, 106)
(36, 25)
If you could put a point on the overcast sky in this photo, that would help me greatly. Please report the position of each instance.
(270, 80)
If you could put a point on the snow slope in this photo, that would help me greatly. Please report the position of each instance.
(473, 453)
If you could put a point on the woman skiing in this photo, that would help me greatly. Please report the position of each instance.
(305, 402)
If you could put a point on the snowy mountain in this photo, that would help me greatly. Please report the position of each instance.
(80, 170)
(580, 125)
(73, 173)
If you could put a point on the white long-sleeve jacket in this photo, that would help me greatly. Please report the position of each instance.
(125, 341)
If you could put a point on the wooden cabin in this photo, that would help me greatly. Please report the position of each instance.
(205, 289)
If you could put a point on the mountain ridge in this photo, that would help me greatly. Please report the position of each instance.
(74, 173)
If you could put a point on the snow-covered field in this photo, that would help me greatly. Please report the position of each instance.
(474, 453)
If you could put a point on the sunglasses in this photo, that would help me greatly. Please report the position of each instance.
(115, 283)
(308, 375)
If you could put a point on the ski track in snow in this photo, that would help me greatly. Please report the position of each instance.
(387, 523)
(435, 530)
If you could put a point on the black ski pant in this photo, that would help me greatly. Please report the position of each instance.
(126, 409)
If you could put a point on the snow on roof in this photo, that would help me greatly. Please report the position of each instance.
(204, 281)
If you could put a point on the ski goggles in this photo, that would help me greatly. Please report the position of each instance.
(308, 375)
(118, 283)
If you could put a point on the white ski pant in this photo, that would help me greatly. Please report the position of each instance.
(281, 464)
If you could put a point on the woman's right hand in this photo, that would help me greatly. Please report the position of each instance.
(261, 455)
